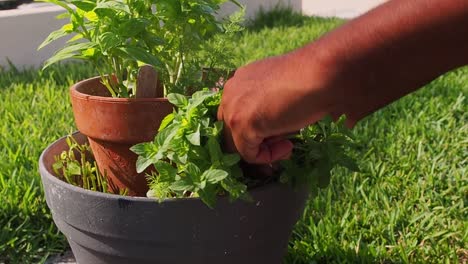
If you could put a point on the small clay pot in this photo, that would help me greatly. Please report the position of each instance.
(113, 125)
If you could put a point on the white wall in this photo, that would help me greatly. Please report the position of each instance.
(23, 30)
(252, 6)
(338, 8)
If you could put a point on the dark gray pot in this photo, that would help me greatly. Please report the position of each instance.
(107, 228)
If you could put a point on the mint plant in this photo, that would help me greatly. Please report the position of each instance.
(187, 153)
(189, 160)
(317, 150)
(118, 36)
(77, 167)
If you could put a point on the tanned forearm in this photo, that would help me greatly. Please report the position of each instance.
(356, 69)
(392, 50)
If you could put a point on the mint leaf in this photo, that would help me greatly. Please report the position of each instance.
(193, 171)
(178, 100)
(142, 164)
(165, 170)
(166, 121)
(194, 138)
(214, 176)
(214, 149)
(181, 185)
(230, 159)
(144, 149)
(234, 188)
(208, 196)
(84, 5)
(142, 55)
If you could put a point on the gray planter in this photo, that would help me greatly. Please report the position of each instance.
(107, 228)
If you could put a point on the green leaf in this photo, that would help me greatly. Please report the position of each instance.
(214, 148)
(112, 6)
(108, 40)
(144, 149)
(194, 172)
(164, 137)
(73, 168)
(237, 3)
(338, 139)
(182, 185)
(142, 55)
(169, 8)
(54, 35)
(84, 5)
(218, 127)
(194, 138)
(165, 170)
(57, 166)
(143, 163)
(70, 51)
(214, 175)
(148, 153)
(91, 16)
(183, 159)
(166, 121)
(178, 100)
(198, 98)
(208, 196)
(235, 188)
(133, 27)
(231, 159)
(62, 15)
(192, 169)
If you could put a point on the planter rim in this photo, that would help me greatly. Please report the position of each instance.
(46, 173)
(74, 92)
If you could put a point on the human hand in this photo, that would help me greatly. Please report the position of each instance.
(269, 99)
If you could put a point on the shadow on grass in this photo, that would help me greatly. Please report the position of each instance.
(279, 16)
(282, 16)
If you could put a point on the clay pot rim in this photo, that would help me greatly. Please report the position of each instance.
(75, 93)
(45, 172)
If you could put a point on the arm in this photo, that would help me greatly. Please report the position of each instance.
(356, 69)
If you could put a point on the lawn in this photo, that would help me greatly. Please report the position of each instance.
(406, 206)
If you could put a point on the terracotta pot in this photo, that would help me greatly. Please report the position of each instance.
(113, 125)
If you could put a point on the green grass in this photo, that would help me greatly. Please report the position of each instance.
(407, 206)
(34, 111)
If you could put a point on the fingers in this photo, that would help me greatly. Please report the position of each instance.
(243, 111)
(244, 141)
(280, 150)
(249, 147)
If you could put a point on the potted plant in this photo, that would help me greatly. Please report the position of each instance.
(210, 209)
(125, 104)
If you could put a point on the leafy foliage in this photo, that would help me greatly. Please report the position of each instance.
(189, 160)
(317, 150)
(77, 167)
(187, 153)
(117, 36)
